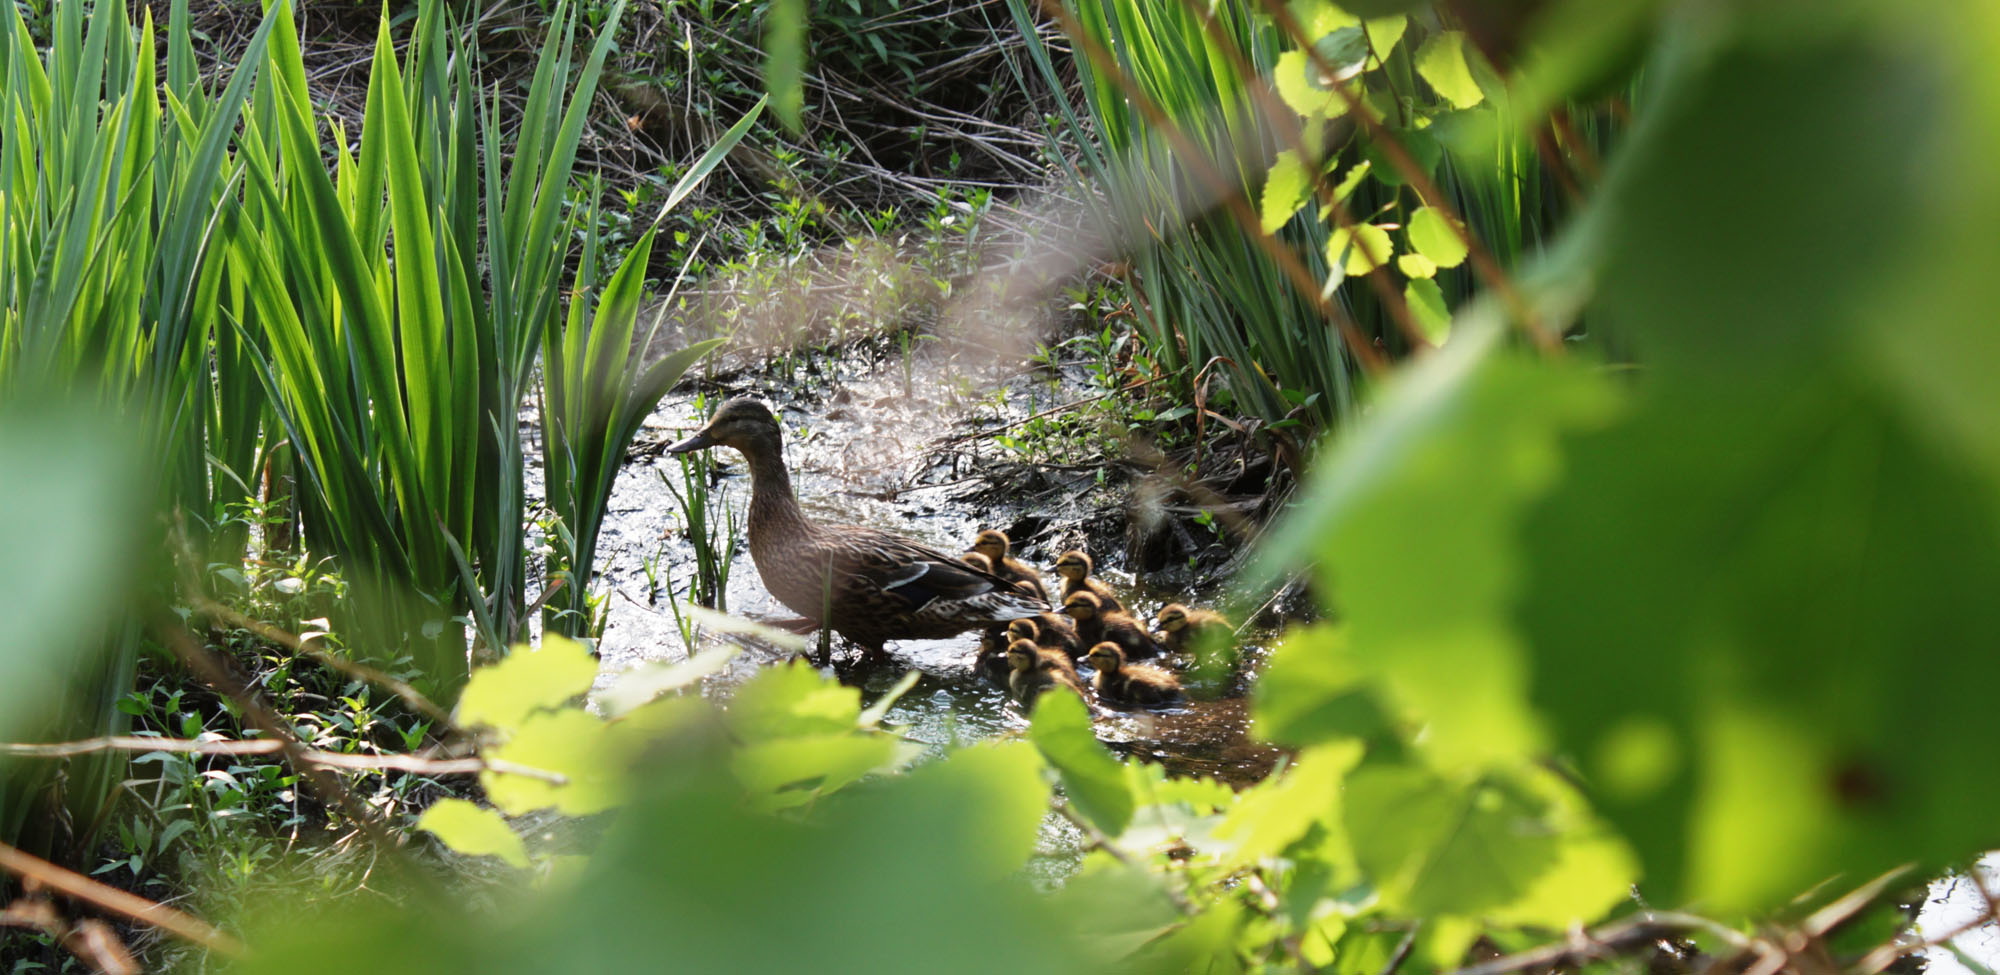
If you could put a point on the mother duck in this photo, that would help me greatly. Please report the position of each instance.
(868, 585)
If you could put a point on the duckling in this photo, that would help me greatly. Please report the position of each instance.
(1075, 568)
(994, 545)
(990, 659)
(868, 585)
(1184, 629)
(1095, 624)
(1036, 670)
(978, 560)
(1048, 631)
(1130, 685)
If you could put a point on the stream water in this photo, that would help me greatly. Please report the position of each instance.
(873, 439)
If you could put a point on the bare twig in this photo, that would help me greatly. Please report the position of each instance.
(301, 646)
(416, 764)
(76, 885)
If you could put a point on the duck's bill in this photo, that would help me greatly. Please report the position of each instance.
(696, 442)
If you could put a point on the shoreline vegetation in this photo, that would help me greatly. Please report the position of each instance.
(1577, 413)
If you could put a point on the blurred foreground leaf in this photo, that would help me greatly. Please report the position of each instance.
(1093, 779)
(503, 695)
(467, 828)
(69, 505)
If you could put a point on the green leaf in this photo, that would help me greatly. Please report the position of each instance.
(1410, 517)
(1417, 266)
(1384, 32)
(1315, 690)
(70, 524)
(1426, 301)
(1345, 52)
(1796, 604)
(1421, 145)
(1094, 780)
(1282, 809)
(1359, 248)
(785, 772)
(643, 683)
(792, 700)
(1490, 847)
(1295, 77)
(785, 60)
(591, 758)
(1433, 235)
(1441, 61)
(1117, 908)
(711, 158)
(1285, 189)
(471, 829)
(503, 695)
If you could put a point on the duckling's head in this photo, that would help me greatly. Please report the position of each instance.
(1173, 618)
(1106, 657)
(1082, 604)
(1023, 629)
(1021, 655)
(991, 544)
(978, 561)
(1073, 565)
(742, 423)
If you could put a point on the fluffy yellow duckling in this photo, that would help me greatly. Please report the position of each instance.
(1131, 685)
(995, 545)
(1184, 629)
(1036, 670)
(978, 560)
(1048, 631)
(1075, 569)
(1096, 624)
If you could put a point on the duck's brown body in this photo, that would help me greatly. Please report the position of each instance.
(868, 585)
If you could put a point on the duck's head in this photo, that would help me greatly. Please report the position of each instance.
(1106, 657)
(741, 423)
(1082, 604)
(1023, 629)
(991, 544)
(978, 561)
(1173, 617)
(1021, 655)
(1073, 565)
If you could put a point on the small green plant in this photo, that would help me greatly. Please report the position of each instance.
(711, 526)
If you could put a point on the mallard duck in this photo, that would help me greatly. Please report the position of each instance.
(868, 585)
(979, 561)
(1075, 569)
(1130, 685)
(1095, 624)
(1183, 629)
(1048, 631)
(1036, 670)
(994, 545)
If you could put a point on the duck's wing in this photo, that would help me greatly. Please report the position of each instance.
(922, 576)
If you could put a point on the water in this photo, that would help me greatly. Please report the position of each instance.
(864, 450)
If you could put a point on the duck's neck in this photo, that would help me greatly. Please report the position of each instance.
(772, 504)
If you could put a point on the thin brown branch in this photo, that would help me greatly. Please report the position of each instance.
(324, 785)
(299, 645)
(76, 885)
(416, 764)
